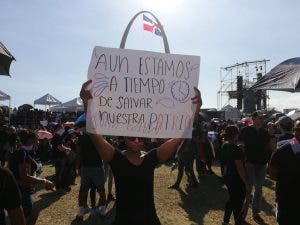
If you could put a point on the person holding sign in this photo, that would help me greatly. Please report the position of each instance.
(134, 171)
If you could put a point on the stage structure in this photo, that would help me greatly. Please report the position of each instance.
(235, 81)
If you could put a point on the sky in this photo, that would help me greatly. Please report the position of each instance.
(53, 40)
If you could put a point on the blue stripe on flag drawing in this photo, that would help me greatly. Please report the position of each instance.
(147, 19)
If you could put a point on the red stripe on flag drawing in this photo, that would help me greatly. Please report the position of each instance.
(148, 27)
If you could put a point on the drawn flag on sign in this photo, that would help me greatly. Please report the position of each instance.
(151, 26)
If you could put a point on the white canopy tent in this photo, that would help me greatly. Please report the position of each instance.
(74, 105)
(294, 114)
(231, 113)
(58, 108)
(46, 100)
(5, 97)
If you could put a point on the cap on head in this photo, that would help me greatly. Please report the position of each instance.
(258, 114)
(285, 122)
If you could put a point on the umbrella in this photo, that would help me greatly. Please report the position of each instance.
(5, 60)
(68, 124)
(43, 134)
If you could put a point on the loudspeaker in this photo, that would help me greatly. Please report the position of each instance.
(258, 93)
(239, 89)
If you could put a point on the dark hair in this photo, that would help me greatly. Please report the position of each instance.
(26, 135)
(230, 132)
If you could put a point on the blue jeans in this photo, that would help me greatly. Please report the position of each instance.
(256, 174)
(91, 177)
(27, 201)
(59, 169)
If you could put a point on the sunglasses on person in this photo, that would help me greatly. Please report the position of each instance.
(140, 139)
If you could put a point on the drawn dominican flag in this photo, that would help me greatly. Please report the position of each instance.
(151, 26)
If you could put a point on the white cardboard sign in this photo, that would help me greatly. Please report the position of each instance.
(141, 93)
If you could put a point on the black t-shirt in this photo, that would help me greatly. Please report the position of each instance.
(56, 141)
(287, 164)
(186, 151)
(21, 156)
(256, 145)
(229, 154)
(89, 155)
(134, 190)
(10, 196)
(286, 136)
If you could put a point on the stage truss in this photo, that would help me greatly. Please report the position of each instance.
(228, 79)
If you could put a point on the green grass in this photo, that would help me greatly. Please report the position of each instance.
(203, 205)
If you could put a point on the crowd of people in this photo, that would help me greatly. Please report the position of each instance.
(27, 116)
(246, 153)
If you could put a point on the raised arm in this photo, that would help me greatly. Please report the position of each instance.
(166, 150)
(16, 216)
(105, 149)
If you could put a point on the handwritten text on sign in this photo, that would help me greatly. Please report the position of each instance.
(141, 93)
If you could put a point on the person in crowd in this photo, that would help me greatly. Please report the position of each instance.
(69, 171)
(257, 147)
(59, 156)
(23, 167)
(10, 199)
(3, 144)
(92, 176)
(185, 157)
(285, 125)
(271, 128)
(204, 154)
(234, 175)
(44, 150)
(109, 179)
(108, 175)
(134, 171)
(284, 168)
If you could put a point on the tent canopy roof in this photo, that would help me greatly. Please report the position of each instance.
(73, 105)
(4, 96)
(47, 100)
(229, 107)
(283, 77)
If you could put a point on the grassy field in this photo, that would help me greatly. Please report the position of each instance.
(203, 205)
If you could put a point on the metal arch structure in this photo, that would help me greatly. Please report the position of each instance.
(124, 37)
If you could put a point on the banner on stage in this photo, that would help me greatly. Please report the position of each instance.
(141, 93)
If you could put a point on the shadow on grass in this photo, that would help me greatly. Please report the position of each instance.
(47, 199)
(267, 208)
(209, 195)
(91, 220)
(269, 183)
